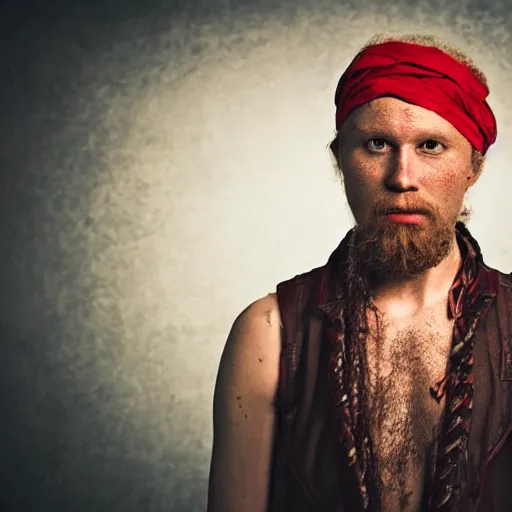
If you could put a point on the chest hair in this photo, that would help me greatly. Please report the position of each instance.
(405, 358)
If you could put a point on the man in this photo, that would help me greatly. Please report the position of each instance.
(382, 380)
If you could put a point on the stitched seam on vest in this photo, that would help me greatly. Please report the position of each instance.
(292, 331)
(507, 342)
(505, 311)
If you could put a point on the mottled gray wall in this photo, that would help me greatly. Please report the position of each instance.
(161, 168)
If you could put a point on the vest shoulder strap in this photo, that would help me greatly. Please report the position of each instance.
(294, 296)
(504, 310)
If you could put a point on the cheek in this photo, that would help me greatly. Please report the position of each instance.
(361, 190)
(443, 184)
(448, 188)
(360, 177)
(357, 186)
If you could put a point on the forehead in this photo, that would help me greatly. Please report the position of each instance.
(398, 119)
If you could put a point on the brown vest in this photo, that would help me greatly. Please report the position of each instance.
(309, 473)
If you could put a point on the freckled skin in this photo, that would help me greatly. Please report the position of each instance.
(403, 166)
(405, 156)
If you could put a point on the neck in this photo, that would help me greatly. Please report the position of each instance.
(401, 297)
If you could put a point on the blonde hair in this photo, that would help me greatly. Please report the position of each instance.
(433, 41)
(477, 159)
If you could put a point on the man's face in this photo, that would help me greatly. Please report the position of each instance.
(406, 171)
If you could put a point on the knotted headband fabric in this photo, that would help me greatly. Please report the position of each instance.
(423, 76)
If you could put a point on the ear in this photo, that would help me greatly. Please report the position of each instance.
(334, 147)
(477, 166)
(334, 153)
(471, 179)
(473, 176)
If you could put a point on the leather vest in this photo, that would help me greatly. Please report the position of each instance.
(309, 470)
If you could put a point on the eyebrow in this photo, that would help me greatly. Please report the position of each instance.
(427, 133)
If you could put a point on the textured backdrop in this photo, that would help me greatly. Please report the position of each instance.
(162, 167)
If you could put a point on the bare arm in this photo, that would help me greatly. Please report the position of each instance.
(243, 417)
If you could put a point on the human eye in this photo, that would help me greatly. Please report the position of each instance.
(432, 146)
(376, 144)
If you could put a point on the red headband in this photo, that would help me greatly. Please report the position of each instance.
(424, 76)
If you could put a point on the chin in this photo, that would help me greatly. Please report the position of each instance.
(397, 249)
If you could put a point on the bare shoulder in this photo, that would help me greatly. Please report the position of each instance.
(261, 314)
(254, 345)
(266, 308)
(243, 411)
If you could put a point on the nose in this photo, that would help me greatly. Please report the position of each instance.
(402, 174)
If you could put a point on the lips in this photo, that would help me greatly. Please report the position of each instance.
(406, 217)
